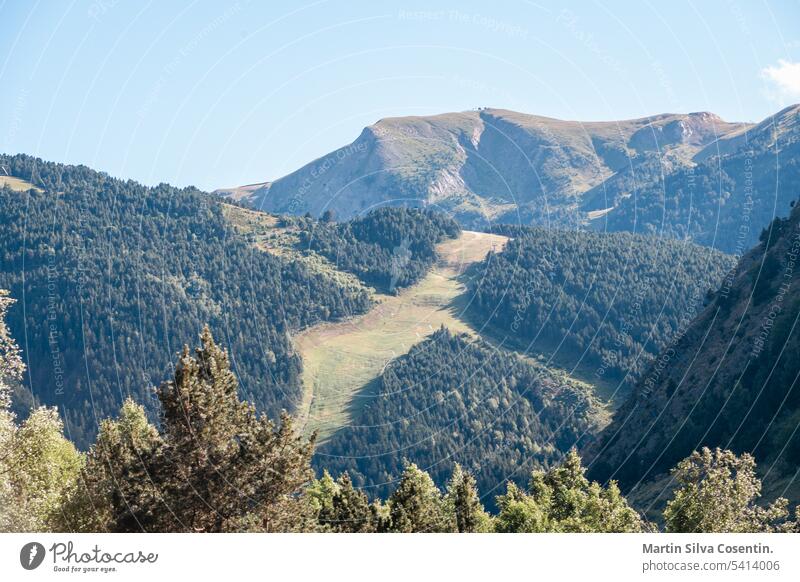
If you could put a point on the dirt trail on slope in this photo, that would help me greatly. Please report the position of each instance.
(341, 359)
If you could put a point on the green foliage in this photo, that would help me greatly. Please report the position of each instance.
(416, 505)
(11, 365)
(564, 500)
(320, 494)
(613, 301)
(117, 276)
(453, 399)
(463, 504)
(717, 493)
(221, 466)
(38, 466)
(216, 466)
(115, 487)
(731, 383)
(348, 511)
(389, 248)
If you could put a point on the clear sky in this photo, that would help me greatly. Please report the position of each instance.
(196, 93)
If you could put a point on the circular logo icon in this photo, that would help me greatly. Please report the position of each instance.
(31, 555)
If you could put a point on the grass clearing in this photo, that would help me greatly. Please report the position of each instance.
(340, 360)
(17, 184)
(267, 233)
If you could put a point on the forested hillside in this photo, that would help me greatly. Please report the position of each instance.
(608, 301)
(113, 278)
(731, 191)
(218, 466)
(730, 381)
(455, 400)
(388, 248)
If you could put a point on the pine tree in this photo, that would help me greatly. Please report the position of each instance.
(564, 500)
(222, 467)
(320, 495)
(116, 492)
(349, 510)
(416, 505)
(463, 503)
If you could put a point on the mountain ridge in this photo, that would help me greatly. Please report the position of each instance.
(484, 165)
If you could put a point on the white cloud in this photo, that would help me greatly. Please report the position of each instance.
(783, 82)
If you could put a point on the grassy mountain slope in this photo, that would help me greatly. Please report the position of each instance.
(730, 190)
(484, 165)
(731, 380)
(342, 360)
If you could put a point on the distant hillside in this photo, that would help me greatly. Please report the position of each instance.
(486, 165)
(112, 278)
(732, 189)
(453, 399)
(605, 302)
(731, 380)
(388, 248)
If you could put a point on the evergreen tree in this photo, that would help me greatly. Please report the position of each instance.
(416, 505)
(320, 495)
(349, 509)
(717, 492)
(221, 467)
(116, 489)
(463, 503)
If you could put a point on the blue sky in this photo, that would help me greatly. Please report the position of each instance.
(215, 96)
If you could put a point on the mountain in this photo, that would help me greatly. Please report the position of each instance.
(730, 381)
(729, 192)
(490, 165)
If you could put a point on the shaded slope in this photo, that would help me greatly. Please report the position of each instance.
(731, 189)
(455, 399)
(113, 278)
(730, 381)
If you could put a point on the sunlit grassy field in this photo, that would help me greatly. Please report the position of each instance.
(17, 184)
(341, 359)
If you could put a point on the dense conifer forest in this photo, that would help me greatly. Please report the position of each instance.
(453, 399)
(610, 301)
(388, 248)
(112, 278)
(219, 466)
(732, 380)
